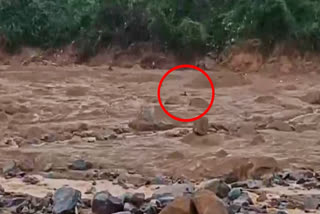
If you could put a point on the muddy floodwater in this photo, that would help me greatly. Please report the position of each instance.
(51, 116)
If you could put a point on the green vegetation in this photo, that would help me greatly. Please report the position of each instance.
(197, 25)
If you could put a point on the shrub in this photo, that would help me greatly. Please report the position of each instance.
(184, 25)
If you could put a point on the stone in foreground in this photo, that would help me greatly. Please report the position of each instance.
(207, 202)
(65, 200)
(104, 203)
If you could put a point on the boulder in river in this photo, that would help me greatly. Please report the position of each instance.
(80, 165)
(201, 126)
(280, 126)
(151, 118)
(312, 97)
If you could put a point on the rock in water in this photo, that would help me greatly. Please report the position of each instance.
(312, 97)
(235, 193)
(10, 169)
(198, 103)
(152, 118)
(220, 188)
(104, 203)
(65, 200)
(258, 140)
(207, 202)
(80, 165)
(280, 126)
(201, 126)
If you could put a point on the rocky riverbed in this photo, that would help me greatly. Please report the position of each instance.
(101, 132)
(283, 192)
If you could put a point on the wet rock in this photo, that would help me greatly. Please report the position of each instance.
(181, 205)
(312, 98)
(151, 208)
(90, 139)
(247, 129)
(30, 180)
(33, 132)
(174, 190)
(165, 200)
(10, 109)
(10, 169)
(267, 99)
(15, 202)
(104, 203)
(3, 117)
(198, 103)
(121, 130)
(176, 155)
(206, 140)
(301, 181)
(138, 199)
(243, 200)
(75, 140)
(135, 179)
(254, 184)
(80, 165)
(76, 127)
(90, 190)
(219, 127)
(282, 212)
(234, 208)
(50, 138)
(221, 153)
(311, 203)
(173, 100)
(290, 87)
(311, 185)
(159, 180)
(2, 190)
(301, 176)
(262, 166)
(27, 165)
(48, 167)
(280, 126)
(258, 140)
(249, 184)
(235, 193)
(110, 136)
(177, 133)
(33, 141)
(123, 212)
(219, 187)
(262, 197)
(65, 200)
(130, 207)
(151, 118)
(206, 202)
(201, 126)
